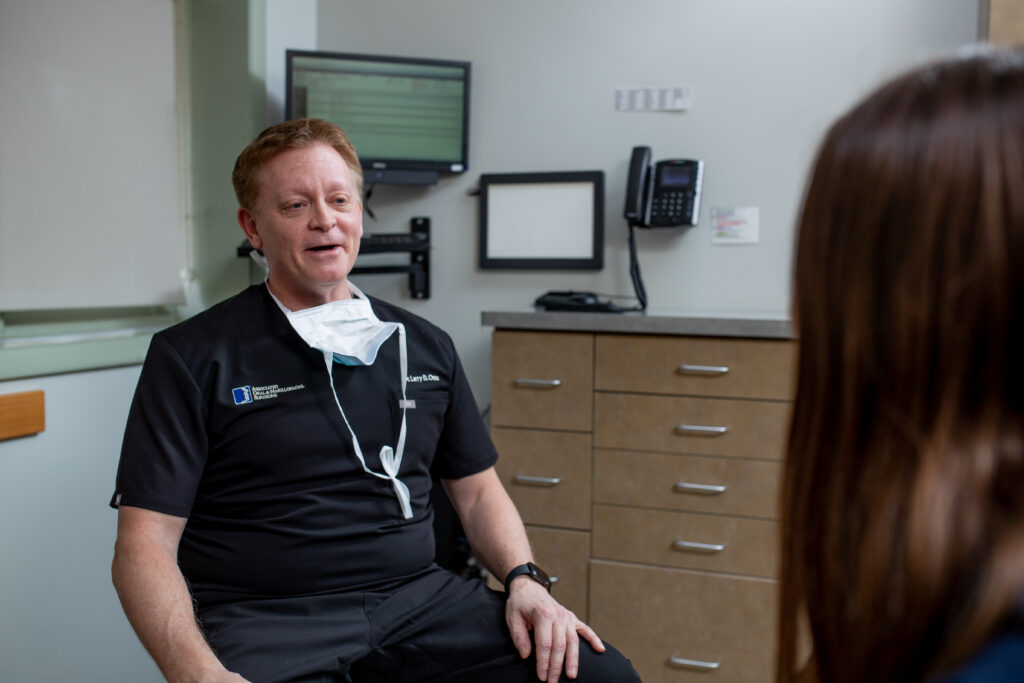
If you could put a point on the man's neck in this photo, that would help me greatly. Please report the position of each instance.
(298, 301)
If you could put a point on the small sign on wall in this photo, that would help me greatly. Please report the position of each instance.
(736, 225)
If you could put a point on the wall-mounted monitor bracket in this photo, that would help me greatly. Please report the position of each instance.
(416, 242)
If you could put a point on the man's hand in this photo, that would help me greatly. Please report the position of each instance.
(556, 630)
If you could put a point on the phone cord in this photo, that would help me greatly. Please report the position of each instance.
(634, 272)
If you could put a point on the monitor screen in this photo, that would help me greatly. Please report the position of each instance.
(400, 113)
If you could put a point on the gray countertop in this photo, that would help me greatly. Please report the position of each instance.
(702, 324)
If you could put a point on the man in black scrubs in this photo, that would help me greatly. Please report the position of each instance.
(274, 521)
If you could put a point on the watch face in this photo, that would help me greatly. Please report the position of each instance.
(531, 570)
(539, 574)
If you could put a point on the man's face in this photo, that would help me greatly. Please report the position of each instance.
(307, 219)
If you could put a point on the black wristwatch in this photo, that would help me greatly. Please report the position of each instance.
(531, 570)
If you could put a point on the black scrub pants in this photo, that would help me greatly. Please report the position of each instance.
(436, 627)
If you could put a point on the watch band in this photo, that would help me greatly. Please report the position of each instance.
(531, 570)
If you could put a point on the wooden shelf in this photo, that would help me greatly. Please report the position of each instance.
(22, 414)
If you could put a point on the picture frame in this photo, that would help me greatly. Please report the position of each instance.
(552, 220)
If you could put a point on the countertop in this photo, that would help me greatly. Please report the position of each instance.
(698, 324)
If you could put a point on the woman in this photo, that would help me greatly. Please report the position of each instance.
(903, 512)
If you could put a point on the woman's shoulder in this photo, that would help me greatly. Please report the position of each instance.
(1001, 661)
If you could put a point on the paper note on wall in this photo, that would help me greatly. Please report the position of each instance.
(736, 225)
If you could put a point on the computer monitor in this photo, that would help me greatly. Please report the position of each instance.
(407, 117)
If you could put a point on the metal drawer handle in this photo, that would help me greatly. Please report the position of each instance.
(537, 481)
(538, 383)
(693, 664)
(687, 369)
(701, 430)
(706, 489)
(693, 546)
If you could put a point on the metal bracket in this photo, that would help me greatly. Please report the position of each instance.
(416, 242)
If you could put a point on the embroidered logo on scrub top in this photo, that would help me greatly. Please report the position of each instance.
(422, 378)
(248, 393)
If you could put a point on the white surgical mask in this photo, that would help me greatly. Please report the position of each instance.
(348, 328)
(349, 332)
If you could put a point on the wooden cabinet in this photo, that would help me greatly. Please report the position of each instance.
(544, 381)
(547, 473)
(681, 626)
(1005, 22)
(739, 545)
(564, 554)
(647, 469)
(695, 366)
(541, 417)
(723, 486)
(684, 424)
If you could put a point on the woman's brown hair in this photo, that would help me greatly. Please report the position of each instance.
(903, 493)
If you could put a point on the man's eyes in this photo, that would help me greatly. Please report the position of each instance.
(296, 206)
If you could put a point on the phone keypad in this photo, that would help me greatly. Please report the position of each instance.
(672, 207)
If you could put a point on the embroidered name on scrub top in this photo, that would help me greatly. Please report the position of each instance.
(349, 332)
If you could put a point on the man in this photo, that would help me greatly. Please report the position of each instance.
(277, 464)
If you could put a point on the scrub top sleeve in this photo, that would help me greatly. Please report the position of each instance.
(464, 447)
(165, 442)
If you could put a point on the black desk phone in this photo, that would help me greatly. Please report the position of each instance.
(663, 197)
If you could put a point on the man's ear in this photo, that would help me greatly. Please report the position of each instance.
(248, 224)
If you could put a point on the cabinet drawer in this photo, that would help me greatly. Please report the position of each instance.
(542, 379)
(684, 539)
(686, 482)
(547, 474)
(564, 556)
(681, 626)
(703, 426)
(702, 366)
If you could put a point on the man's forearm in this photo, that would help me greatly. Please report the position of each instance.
(498, 538)
(158, 605)
(493, 527)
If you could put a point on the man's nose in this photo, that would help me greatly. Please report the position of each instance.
(322, 218)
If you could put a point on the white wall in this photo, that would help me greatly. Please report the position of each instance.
(767, 76)
(294, 27)
(60, 619)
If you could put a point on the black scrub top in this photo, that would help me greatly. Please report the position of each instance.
(234, 426)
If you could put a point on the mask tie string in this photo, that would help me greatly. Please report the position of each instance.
(389, 458)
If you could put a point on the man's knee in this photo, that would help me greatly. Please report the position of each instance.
(610, 666)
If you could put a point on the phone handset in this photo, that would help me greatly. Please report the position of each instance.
(636, 186)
